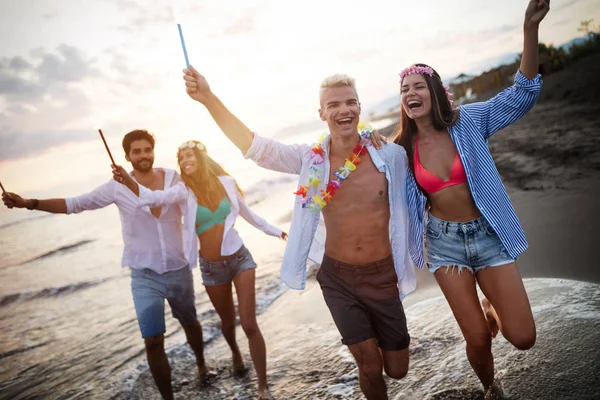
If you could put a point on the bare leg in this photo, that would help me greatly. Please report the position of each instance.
(244, 286)
(193, 333)
(222, 299)
(509, 304)
(395, 363)
(370, 369)
(461, 294)
(159, 365)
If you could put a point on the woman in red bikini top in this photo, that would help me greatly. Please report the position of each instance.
(432, 184)
(472, 234)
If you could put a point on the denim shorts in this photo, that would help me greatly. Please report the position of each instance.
(473, 245)
(150, 289)
(223, 272)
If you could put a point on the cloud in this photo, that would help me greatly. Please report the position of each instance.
(359, 54)
(126, 5)
(22, 81)
(146, 16)
(241, 26)
(53, 97)
(17, 144)
(69, 65)
(563, 21)
(15, 88)
(241, 21)
(44, 100)
(451, 39)
(19, 63)
(567, 4)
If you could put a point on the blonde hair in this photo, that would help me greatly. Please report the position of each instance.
(205, 181)
(334, 81)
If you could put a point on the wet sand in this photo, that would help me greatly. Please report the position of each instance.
(307, 360)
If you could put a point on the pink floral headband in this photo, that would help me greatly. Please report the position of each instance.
(416, 69)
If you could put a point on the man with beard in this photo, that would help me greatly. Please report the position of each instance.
(153, 249)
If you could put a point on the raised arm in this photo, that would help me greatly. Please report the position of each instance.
(514, 102)
(176, 194)
(267, 153)
(257, 221)
(534, 14)
(55, 206)
(198, 89)
(100, 197)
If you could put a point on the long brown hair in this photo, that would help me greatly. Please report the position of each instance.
(205, 181)
(442, 115)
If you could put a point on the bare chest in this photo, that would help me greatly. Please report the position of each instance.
(364, 188)
(158, 183)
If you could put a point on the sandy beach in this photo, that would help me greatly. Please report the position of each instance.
(307, 360)
(550, 163)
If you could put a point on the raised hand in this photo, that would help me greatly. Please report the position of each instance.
(196, 85)
(121, 176)
(535, 12)
(13, 200)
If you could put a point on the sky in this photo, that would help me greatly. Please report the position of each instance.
(67, 66)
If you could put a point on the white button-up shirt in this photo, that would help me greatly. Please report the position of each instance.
(149, 242)
(183, 196)
(301, 246)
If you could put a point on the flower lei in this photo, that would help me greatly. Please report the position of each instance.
(416, 69)
(316, 202)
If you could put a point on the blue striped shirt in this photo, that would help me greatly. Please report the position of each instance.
(476, 123)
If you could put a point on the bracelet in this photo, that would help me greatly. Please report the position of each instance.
(34, 205)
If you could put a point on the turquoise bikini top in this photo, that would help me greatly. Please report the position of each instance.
(206, 219)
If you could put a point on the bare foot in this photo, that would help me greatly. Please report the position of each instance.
(239, 368)
(205, 376)
(490, 316)
(202, 370)
(494, 392)
(265, 394)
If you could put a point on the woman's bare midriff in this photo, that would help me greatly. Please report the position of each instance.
(210, 243)
(454, 204)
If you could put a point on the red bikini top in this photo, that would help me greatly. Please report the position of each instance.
(431, 183)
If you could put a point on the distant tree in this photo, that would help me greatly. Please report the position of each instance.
(551, 58)
(590, 30)
(590, 45)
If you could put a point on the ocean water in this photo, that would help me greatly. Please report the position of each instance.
(68, 328)
(67, 324)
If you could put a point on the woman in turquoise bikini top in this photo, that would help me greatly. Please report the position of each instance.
(206, 219)
(218, 202)
(212, 201)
